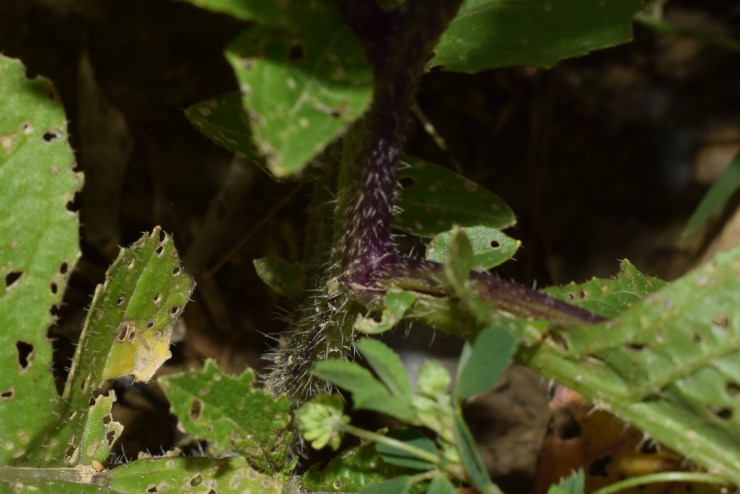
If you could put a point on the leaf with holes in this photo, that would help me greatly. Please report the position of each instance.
(669, 365)
(609, 297)
(127, 331)
(38, 249)
(538, 33)
(301, 85)
(232, 415)
(490, 246)
(434, 199)
(196, 475)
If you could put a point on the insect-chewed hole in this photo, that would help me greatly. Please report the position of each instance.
(72, 415)
(696, 339)
(195, 408)
(732, 389)
(176, 271)
(152, 489)
(721, 321)
(636, 347)
(162, 236)
(120, 300)
(64, 268)
(724, 413)
(132, 335)
(149, 325)
(174, 310)
(583, 293)
(51, 136)
(495, 244)
(74, 205)
(8, 394)
(12, 277)
(110, 437)
(54, 288)
(25, 354)
(122, 332)
(70, 452)
(598, 466)
(83, 384)
(159, 250)
(157, 298)
(107, 419)
(406, 182)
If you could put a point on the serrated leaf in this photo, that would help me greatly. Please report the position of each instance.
(411, 437)
(609, 297)
(224, 120)
(483, 362)
(490, 247)
(397, 303)
(398, 485)
(350, 471)
(574, 484)
(387, 365)
(284, 277)
(232, 414)
(367, 392)
(127, 331)
(38, 250)
(434, 199)
(302, 85)
(538, 33)
(670, 365)
(196, 475)
(722, 189)
(470, 458)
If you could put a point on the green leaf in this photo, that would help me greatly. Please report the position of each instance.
(367, 392)
(490, 247)
(538, 33)
(483, 362)
(573, 484)
(397, 303)
(458, 262)
(232, 414)
(224, 120)
(127, 331)
(286, 278)
(38, 250)
(412, 437)
(398, 485)
(387, 365)
(669, 365)
(440, 485)
(302, 86)
(196, 475)
(434, 199)
(350, 471)
(609, 297)
(724, 187)
(470, 459)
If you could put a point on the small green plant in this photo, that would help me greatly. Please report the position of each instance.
(325, 92)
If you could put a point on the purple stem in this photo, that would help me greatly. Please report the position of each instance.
(398, 44)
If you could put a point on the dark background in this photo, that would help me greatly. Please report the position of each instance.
(601, 158)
